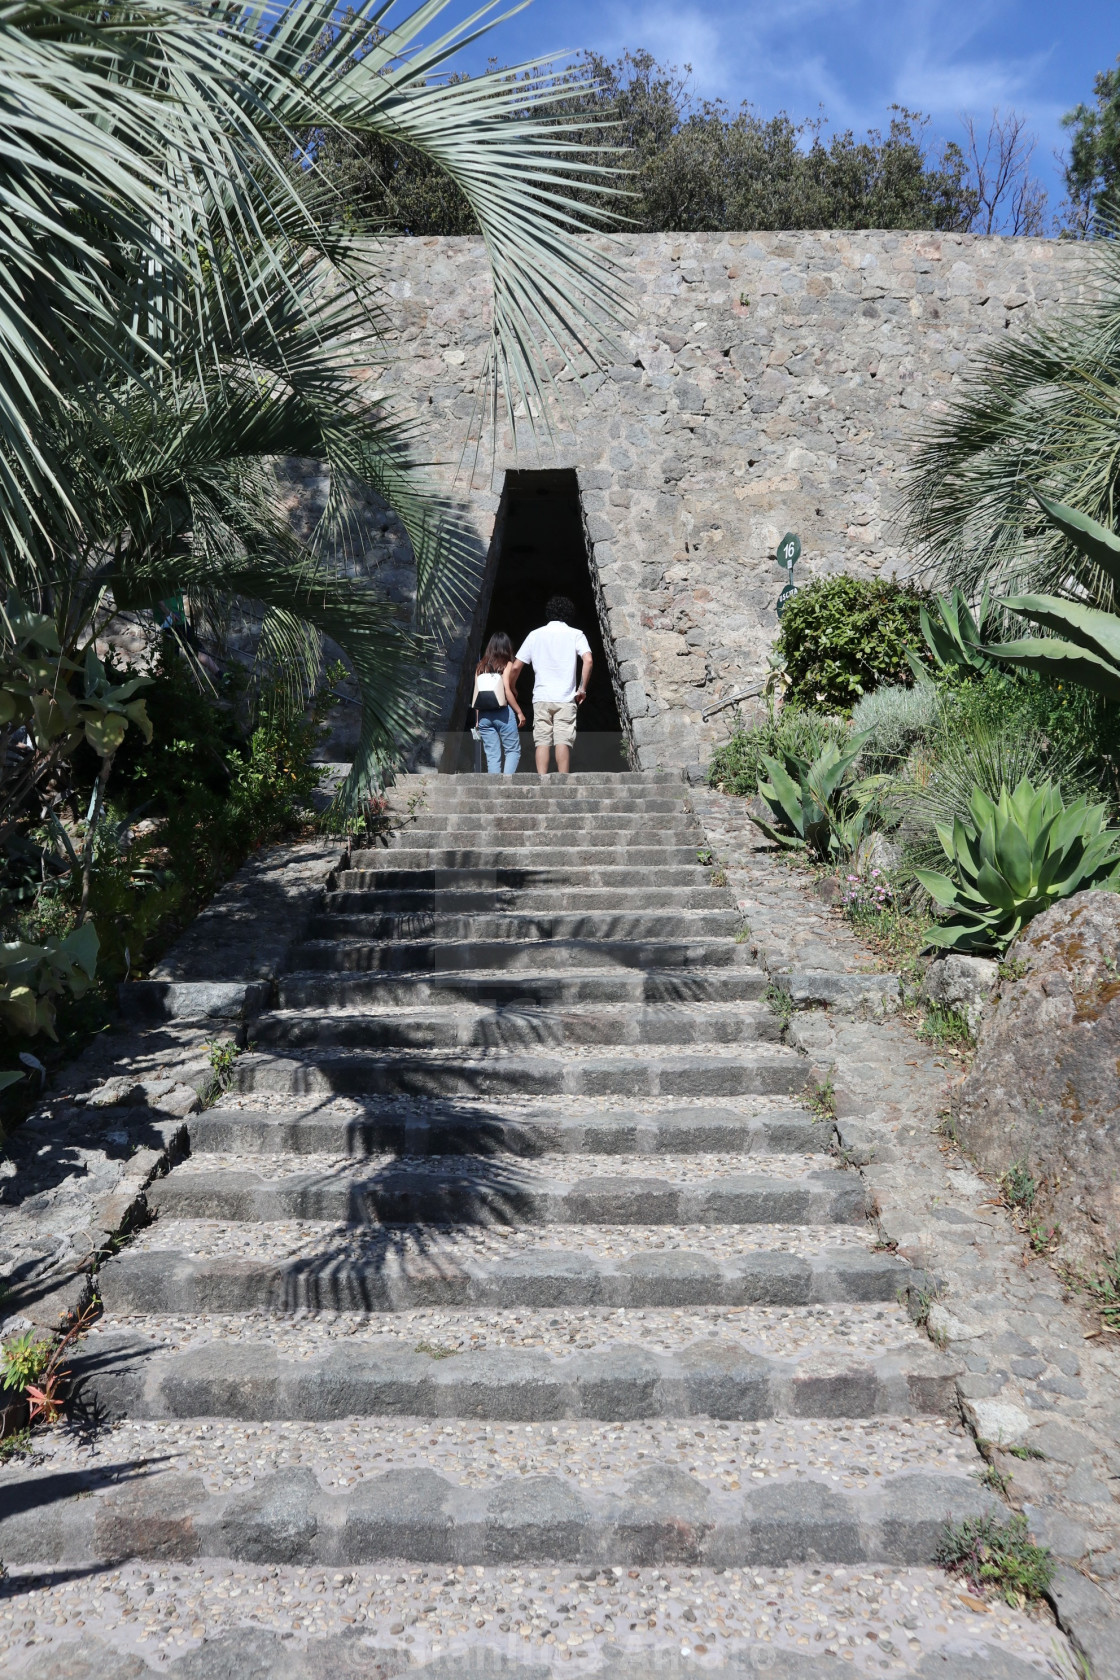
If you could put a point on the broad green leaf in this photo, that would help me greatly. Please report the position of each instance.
(939, 887)
(1098, 632)
(1092, 539)
(1062, 659)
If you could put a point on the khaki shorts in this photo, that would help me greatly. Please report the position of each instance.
(554, 723)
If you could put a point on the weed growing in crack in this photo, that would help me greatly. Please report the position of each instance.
(1103, 1289)
(222, 1056)
(820, 1098)
(997, 1480)
(946, 1028)
(15, 1445)
(435, 1350)
(23, 1361)
(1044, 1239)
(1014, 968)
(1023, 1452)
(1000, 1556)
(1019, 1186)
(780, 1002)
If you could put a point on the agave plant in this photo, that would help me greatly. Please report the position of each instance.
(1018, 855)
(953, 635)
(1085, 645)
(823, 807)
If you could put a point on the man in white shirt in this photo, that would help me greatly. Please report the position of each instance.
(552, 651)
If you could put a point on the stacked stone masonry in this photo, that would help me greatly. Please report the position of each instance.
(765, 382)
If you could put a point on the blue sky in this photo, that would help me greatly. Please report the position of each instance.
(853, 57)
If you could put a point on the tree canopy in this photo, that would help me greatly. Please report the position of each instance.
(1093, 171)
(695, 166)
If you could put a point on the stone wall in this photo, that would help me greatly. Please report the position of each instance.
(768, 382)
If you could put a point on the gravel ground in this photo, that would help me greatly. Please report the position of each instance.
(779, 1331)
(881, 1620)
(723, 1456)
(670, 1169)
(287, 1239)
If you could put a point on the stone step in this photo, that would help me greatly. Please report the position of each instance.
(565, 819)
(771, 1073)
(441, 1504)
(392, 875)
(439, 1622)
(129, 1373)
(528, 901)
(646, 853)
(519, 801)
(713, 923)
(430, 1128)
(578, 832)
(464, 1190)
(192, 1267)
(517, 1026)
(557, 989)
(354, 956)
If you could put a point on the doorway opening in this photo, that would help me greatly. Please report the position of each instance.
(541, 551)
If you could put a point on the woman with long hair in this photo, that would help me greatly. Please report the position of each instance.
(495, 703)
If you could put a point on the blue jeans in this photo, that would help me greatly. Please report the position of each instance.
(499, 735)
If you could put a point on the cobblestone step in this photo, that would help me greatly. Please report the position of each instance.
(491, 825)
(177, 1268)
(774, 1071)
(126, 1373)
(422, 1128)
(445, 1191)
(410, 1510)
(626, 925)
(555, 989)
(518, 1026)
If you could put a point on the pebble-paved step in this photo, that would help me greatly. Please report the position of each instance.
(496, 988)
(631, 856)
(515, 924)
(389, 874)
(467, 1191)
(177, 1267)
(518, 1026)
(571, 824)
(127, 1374)
(410, 1510)
(419, 1128)
(773, 1071)
(358, 956)
(529, 901)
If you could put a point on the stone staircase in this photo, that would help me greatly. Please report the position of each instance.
(515, 1176)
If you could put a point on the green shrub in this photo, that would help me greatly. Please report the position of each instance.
(1014, 858)
(738, 766)
(896, 720)
(842, 637)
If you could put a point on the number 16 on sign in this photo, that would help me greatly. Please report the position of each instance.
(789, 552)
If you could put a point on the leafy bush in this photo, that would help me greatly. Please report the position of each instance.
(738, 765)
(896, 720)
(1016, 857)
(34, 977)
(842, 637)
(821, 806)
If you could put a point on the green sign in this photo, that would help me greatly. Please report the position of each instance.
(786, 597)
(789, 551)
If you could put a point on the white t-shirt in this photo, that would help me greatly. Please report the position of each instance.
(552, 651)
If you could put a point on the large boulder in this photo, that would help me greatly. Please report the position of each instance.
(1045, 1085)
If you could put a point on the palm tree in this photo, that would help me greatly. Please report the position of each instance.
(182, 306)
(1040, 413)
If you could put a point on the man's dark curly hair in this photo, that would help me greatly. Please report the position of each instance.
(560, 607)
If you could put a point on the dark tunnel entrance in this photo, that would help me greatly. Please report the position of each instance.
(542, 551)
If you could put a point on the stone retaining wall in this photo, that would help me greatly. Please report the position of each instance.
(769, 382)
